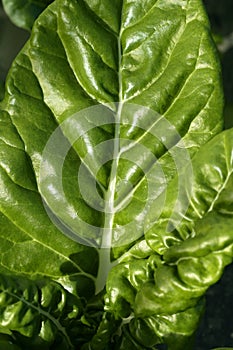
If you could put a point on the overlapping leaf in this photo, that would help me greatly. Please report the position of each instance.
(195, 251)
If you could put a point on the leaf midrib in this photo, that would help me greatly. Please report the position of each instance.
(105, 263)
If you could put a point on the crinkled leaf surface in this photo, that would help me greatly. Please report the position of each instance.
(190, 263)
(206, 186)
(104, 108)
(19, 313)
(41, 314)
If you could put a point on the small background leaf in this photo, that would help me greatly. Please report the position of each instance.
(23, 13)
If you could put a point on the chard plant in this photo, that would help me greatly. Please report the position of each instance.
(116, 186)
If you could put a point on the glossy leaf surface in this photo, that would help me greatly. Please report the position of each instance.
(41, 311)
(105, 110)
(206, 186)
(192, 263)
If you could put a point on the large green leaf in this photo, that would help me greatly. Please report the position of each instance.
(104, 107)
(109, 73)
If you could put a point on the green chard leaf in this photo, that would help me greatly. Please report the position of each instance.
(111, 176)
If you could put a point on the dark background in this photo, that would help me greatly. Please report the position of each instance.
(221, 18)
(216, 329)
(11, 40)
